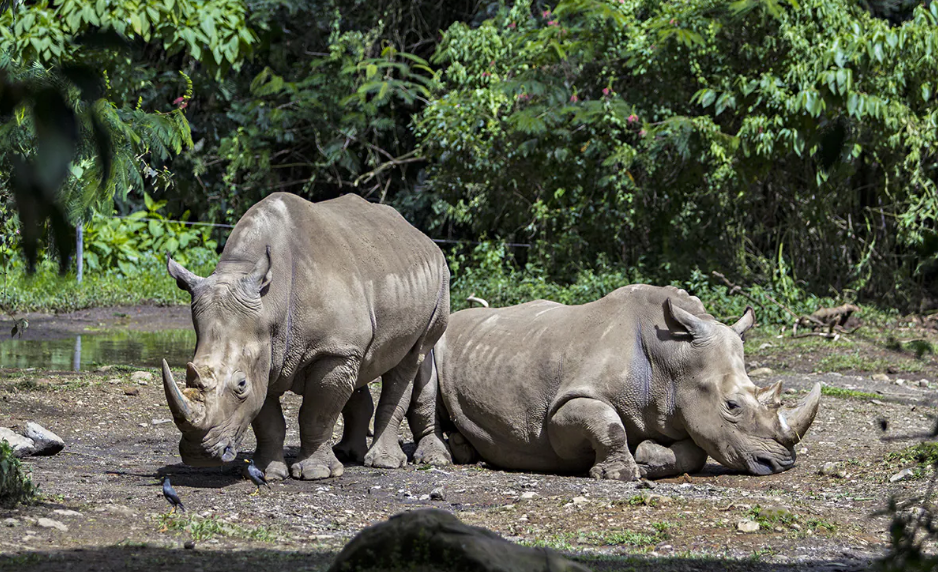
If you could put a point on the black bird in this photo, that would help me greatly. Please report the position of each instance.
(171, 497)
(257, 476)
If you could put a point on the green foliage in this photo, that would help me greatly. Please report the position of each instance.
(15, 484)
(759, 138)
(204, 528)
(113, 243)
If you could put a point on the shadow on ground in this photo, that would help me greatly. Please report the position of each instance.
(149, 558)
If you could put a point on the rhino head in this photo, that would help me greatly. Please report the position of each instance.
(226, 381)
(739, 424)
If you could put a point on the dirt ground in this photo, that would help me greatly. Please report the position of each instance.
(820, 515)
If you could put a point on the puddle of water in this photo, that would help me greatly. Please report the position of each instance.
(87, 351)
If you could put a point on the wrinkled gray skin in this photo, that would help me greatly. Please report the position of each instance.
(641, 383)
(318, 299)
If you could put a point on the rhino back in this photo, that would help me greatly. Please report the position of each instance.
(504, 371)
(346, 274)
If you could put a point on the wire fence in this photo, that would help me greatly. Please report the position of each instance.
(219, 225)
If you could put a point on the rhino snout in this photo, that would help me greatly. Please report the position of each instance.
(200, 455)
(768, 464)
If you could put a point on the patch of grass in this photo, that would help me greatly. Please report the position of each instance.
(847, 393)
(15, 485)
(771, 517)
(203, 528)
(855, 362)
(559, 542)
(924, 453)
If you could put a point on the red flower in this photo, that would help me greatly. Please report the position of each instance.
(633, 118)
(574, 98)
(642, 133)
(486, 74)
(183, 104)
(552, 23)
(673, 23)
(545, 13)
(606, 91)
(179, 100)
(512, 25)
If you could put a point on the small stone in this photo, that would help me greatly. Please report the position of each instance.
(900, 382)
(747, 525)
(159, 421)
(104, 369)
(66, 512)
(761, 372)
(142, 424)
(646, 484)
(831, 469)
(10, 522)
(423, 497)
(189, 545)
(766, 345)
(132, 391)
(141, 377)
(801, 450)
(49, 523)
(923, 383)
(879, 377)
(47, 442)
(437, 494)
(653, 499)
(580, 500)
(22, 446)
(876, 402)
(902, 475)
(530, 495)
(114, 381)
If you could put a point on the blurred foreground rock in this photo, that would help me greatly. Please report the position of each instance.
(433, 539)
(36, 440)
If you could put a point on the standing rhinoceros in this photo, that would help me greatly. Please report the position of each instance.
(642, 382)
(317, 299)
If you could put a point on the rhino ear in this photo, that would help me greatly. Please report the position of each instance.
(771, 395)
(694, 326)
(262, 273)
(746, 322)
(184, 279)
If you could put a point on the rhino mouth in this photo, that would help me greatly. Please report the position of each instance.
(768, 465)
(208, 455)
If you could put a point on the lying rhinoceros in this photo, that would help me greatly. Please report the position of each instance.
(642, 382)
(317, 299)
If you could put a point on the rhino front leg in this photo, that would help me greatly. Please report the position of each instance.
(425, 417)
(270, 429)
(329, 384)
(583, 426)
(356, 415)
(657, 461)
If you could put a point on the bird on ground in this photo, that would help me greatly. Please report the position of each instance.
(171, 497)
(257, 476)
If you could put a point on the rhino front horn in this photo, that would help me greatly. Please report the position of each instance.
(178, 403)
(799, 418)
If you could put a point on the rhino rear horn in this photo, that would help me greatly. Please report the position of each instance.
(799, 418)
(770, 395)
(694, 326)
(184, 279)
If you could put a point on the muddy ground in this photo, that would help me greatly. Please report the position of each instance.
(820, 515)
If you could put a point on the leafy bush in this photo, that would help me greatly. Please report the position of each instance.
(15, 484)
(121, 243)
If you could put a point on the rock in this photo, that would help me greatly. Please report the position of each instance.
(141, 377)
(879, 377)
(10, 522)
(132, 391)
(923, 383)
(766, 345)
(114, 381)
(104, 369)
(646, 484)
(116, 509)
(530, 495)
(801, 450)
(433, 539)
(902, 475)
(900, 382)
(189, 545)
(66, 512)
(47, 442)
(49, 523)
(437, 494)
(747, 525)
(761, 372)
(22, 446)
(652, 499)
(580, 500)
(159, 421)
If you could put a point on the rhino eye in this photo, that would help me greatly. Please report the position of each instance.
(241, 384)
(732, 404)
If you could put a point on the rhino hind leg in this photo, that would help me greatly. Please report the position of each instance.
(657, 461)
(463, 451)
(585, 428)
(270, 429)
(396, 390)
(356, 416)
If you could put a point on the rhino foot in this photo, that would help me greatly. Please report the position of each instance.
(313, 469)
(386, 459)
(349, 452)
(432, 451)
(463, 451)
(616, 470)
